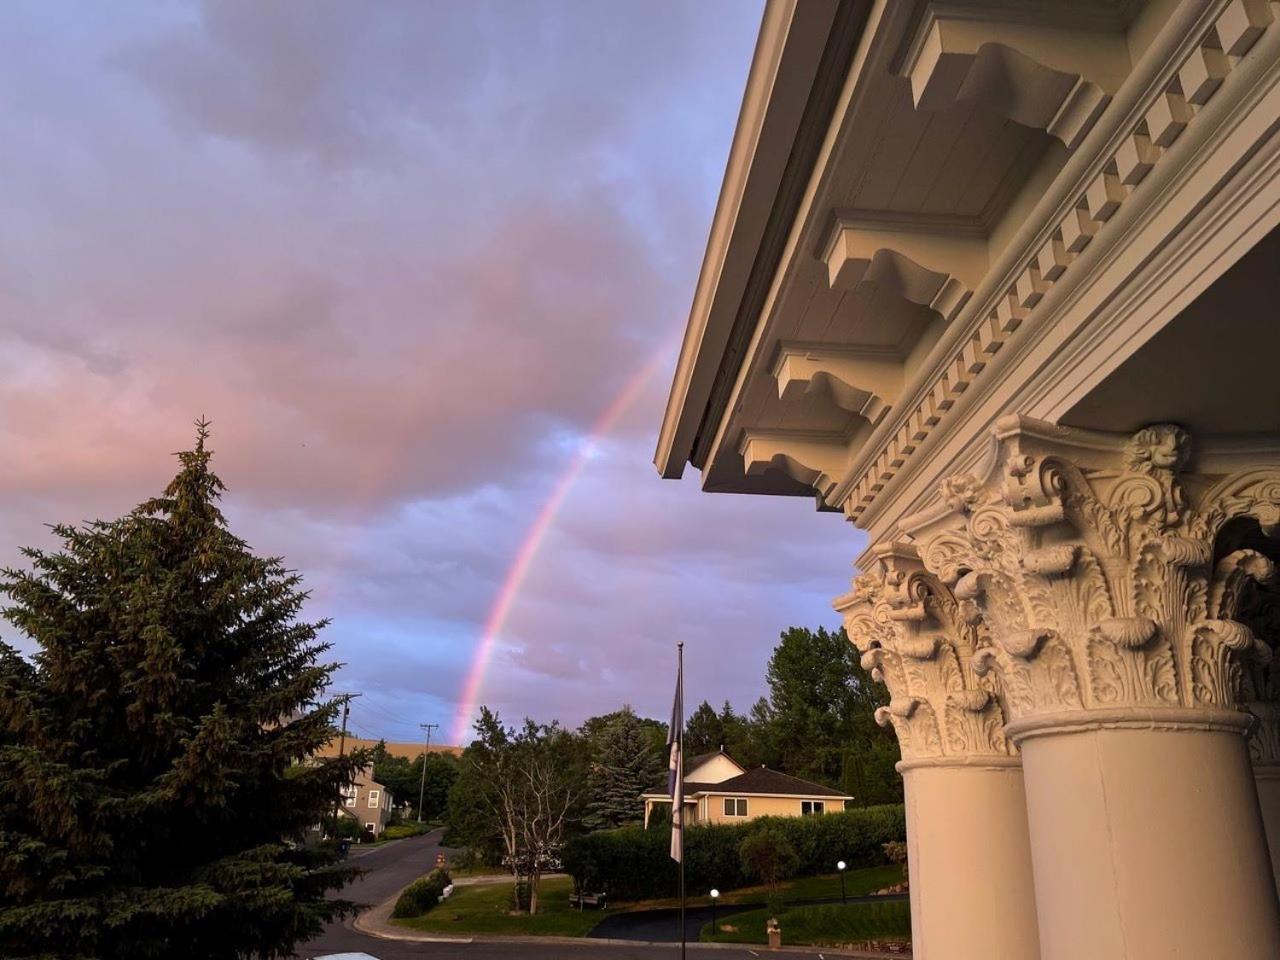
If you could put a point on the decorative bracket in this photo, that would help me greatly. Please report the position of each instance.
(928, 261)
(1052, 77)
(814, 458)
(864, 381)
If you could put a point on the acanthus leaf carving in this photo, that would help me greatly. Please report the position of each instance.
(915, 638)
(1090, 558)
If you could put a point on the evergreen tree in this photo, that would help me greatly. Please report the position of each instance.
(703, 731)
(626, 765)
(152, 753)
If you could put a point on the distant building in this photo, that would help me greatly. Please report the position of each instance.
(718, 789)
(368, 802)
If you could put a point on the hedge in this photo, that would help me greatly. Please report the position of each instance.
(631, 863)
(421, 895)
(398, 831)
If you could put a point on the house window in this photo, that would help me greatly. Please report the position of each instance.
(371, 827)
(351, 800)
(373, 799)
(809, 807)
(735, 807)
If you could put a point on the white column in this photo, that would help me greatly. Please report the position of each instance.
(1108, 592)
(968, 853)
(1148, 842)
(1267, 778)
(970, 860)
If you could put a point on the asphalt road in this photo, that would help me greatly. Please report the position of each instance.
(393, 866)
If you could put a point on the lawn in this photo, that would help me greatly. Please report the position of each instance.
(485, 908)
(827, 886)
(825, 925)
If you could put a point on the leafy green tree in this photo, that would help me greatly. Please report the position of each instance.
(624, 765)
(442, 773)
(822, 706)
(470, 823)
(403, 777)
(151, 753)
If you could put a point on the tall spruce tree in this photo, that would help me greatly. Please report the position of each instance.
(152, 752)
(703, 731)
(625, 766)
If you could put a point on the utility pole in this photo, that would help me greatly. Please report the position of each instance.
(422, 786)
(346, 699)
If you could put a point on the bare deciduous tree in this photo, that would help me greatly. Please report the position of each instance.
(530, 786)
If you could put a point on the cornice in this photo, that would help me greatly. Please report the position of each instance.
(973, 340)
(747, 194)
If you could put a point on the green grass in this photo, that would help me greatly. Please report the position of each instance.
(399, 831)
(477, 870)
(485, 908)
(857, 883)
(825, 925)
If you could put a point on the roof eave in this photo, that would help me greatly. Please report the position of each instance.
(788, 52)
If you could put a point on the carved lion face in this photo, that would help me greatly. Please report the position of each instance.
(1162, 447)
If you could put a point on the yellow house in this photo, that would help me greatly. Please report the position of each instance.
(718, 789)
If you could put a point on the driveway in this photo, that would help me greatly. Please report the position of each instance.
(394, 865)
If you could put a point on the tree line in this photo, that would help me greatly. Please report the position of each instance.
(817, 722)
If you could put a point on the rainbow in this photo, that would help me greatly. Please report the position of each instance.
(528, 549)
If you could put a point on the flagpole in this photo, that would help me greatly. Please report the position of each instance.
(680, 774)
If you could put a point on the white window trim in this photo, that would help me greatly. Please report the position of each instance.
(734, 801)
(373, 799)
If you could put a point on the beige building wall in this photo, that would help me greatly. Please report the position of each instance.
(368, 803)
(716, 770)
(713, 807)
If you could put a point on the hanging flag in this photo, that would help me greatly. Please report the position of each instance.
(675, 762)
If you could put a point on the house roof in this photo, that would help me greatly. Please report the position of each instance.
(694, 762)
(764, 780)
(760, 781)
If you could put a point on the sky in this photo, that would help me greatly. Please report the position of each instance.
(405, 256)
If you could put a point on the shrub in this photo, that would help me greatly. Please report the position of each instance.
(421, 895)
(896, 852)
(631, 863)
(398, 831)
(767, 856)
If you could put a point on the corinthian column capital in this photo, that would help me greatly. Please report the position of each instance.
(914, 637)
(1110, 577)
